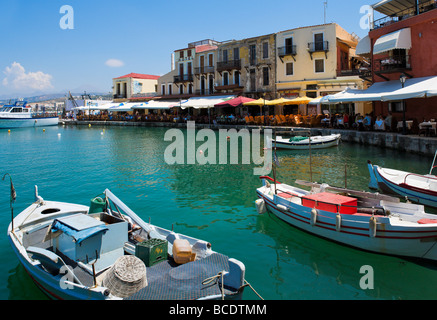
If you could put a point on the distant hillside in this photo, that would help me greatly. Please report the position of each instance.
(54, 96)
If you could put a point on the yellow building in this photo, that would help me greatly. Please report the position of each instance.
(316, 61)
(134, 85)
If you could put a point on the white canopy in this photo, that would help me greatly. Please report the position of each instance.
(400, 39)
(156, 105)
(390, 91)
(363, 47)
(204, 102)
(323, 100)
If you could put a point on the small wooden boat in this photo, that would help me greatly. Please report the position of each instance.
(304, 143)
(417, 188)
(105, 251)
(364, 220)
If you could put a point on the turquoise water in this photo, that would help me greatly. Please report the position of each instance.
(211, 202)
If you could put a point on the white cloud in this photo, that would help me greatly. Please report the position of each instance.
(18, 79)
(114, 63)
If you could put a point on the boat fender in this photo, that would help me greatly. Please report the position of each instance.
(372, 226)
(281, 207)
(338, 222)
(313, 216)
(260, 206)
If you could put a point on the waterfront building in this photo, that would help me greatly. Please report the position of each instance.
(134, 86)
(316, 61)
(247, 67)
(192, 71)
(403, 43)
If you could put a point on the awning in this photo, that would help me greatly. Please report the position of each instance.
(156, 105)
(204, 102)
(400, 39)
(390, 91)
(395, 7)
(234, 102)
(322, 100)
(363, 47)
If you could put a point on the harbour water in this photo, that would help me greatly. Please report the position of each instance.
(210, 202)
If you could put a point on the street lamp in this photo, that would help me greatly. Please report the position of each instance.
(403, 79)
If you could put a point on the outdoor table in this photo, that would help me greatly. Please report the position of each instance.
(408, 123)
(428, 126)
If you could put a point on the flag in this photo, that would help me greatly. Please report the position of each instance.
(13, 193)
(276, 160)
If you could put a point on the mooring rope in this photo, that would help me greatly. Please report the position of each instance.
(220, 275)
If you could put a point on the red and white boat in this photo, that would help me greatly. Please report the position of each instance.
(364, 220)
(418, 188)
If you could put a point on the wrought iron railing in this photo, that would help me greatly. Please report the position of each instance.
(229, 65)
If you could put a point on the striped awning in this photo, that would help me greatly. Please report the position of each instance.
(400, 39)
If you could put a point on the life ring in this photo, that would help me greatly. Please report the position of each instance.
(313, 216)
(372, 227)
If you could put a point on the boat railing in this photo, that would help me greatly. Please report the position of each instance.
(360, 209)
(420, 176)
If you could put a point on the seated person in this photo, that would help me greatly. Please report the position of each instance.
(388, 121)
(367, 122)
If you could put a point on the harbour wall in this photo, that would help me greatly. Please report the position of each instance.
(409, 143)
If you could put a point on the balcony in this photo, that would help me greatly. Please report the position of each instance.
(407, 12)
(287, 51)
(229, 65)
(230, 88)
(183, 78)
(319, 46)
(392, 64)
(204, 70)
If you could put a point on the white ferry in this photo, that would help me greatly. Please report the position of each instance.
(19, 115)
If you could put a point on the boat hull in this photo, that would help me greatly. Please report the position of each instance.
(325, 142)
(30, 122)
(417, 242)
(427, 197)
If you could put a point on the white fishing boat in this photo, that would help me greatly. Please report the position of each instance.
(415, 187)
(304, 143)
(364, 220)
(19, 115)
(105, 251)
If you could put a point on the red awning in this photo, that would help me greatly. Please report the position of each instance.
(234, 102)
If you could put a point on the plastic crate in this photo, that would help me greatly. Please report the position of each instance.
(152, 251)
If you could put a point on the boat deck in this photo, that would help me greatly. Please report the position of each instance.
(166, 280)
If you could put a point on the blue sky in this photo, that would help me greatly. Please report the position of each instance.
(37, 55)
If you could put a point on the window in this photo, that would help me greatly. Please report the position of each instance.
(225, 56)
(289, 46)
(170, 89)
(236, 53)
(319, 65)
(211, 60)
(163, 89)
(395, 106)
(265, 50)
(265, 76)
(181, 89)
(225, 78)
(252, 54)
(181, 55)
(189, 53)
(237, 77)
(289, 68)
(318, 42)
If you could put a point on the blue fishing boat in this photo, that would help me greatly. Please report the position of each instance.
(418, 188)
(105, 251)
